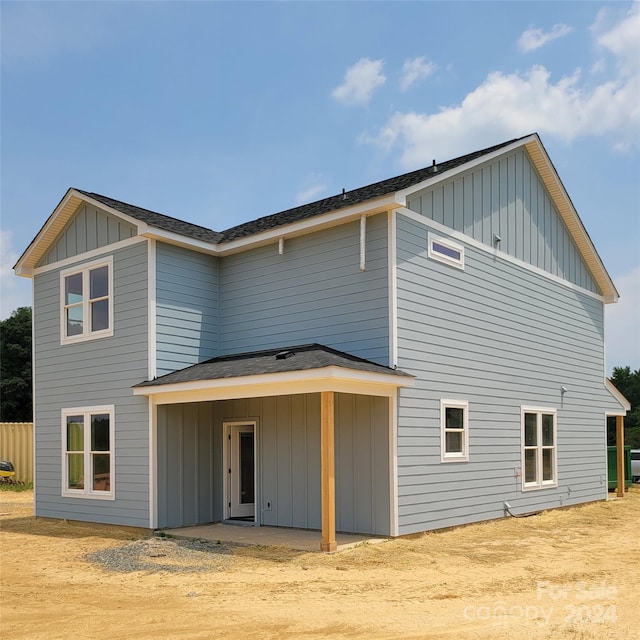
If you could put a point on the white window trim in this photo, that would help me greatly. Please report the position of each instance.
(441, 257)
(540, 484)
(84, 269)
(464, 455)
(88, 492)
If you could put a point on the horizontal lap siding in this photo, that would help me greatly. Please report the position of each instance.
(95, 372)
(507, 198)
(500, 337)
(186, 307)
(314, 292)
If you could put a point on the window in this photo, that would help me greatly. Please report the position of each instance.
(88, 452)
(446, 251)
(86, 302)
(539, 468)
(454, 424)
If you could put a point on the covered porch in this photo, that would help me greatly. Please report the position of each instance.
(299, 438)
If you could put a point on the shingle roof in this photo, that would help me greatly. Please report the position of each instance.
(298, 358)
(159, 220)
(303, 212)
(349, 198)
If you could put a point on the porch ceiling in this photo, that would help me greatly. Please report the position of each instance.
(302, 369)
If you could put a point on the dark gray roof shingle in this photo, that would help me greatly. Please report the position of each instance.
(303, 212)
(298, 358)
(159, 220)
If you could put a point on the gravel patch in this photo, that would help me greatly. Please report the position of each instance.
(163, 554)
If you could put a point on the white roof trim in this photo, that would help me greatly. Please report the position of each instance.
(392, 201)
(401, 196)
(612, 389)
(332, 378)
(324, 220)
(55, 224)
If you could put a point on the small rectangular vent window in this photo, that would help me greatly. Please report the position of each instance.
(446, 251)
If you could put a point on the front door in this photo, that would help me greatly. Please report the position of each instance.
(241, 471)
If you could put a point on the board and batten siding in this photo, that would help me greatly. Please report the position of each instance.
(507, 198)
(498, 336)
(91, 373)
(89, 228)
(190, 461)
(313, 292)
(186, 307)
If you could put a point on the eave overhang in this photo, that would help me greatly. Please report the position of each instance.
(332, 378)
(54, 225)
(620, 399)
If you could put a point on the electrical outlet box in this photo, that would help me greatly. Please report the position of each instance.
(268, 507)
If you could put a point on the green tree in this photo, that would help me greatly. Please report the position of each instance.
(16, 403)
(628, 383)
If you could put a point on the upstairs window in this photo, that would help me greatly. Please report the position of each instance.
(446, 251)
(88, 461)
(454, 425)
(87, 304)
(539, 460)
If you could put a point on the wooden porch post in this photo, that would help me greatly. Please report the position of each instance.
(327, 472)
(620, 454)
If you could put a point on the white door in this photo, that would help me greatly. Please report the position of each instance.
(241, 471)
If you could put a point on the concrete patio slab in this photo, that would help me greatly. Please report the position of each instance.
(296, 539)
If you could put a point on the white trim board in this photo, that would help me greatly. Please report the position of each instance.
(332, 378)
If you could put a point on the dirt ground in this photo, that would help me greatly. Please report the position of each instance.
(567, 574)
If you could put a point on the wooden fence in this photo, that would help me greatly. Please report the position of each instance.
(16, 445)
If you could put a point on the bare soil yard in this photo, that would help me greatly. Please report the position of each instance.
(571, 573)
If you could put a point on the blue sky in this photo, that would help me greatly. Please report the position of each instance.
(219, 113)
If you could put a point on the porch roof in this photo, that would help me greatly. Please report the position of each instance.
(299, 369)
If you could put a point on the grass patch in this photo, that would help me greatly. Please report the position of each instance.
(18, 486)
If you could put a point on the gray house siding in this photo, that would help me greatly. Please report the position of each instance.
(507, 198)
(189, 465)
(91, 373)
(89, 228)
(498, 336)
(186, 307)
(314, 292)
(190, 461)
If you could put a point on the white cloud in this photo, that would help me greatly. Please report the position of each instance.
(14, 292)
(360, 81)
(312, 187)
(622, 326)
(622, 39)
(415, 69)
(512, 105)
(533, 39)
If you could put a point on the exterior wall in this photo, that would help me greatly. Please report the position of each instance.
(89, 228)
(314, 292)
(507, 198)
(190, 461)
(189, 465)
(90, 373)
(498, 336)
(186, 307)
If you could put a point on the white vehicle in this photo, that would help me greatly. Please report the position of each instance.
(635, 465)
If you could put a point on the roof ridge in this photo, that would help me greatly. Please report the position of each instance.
(294, 214)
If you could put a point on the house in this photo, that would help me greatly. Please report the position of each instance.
(422, 352)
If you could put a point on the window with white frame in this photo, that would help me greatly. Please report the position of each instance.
(445, 251)
(454, 425)
(539, 459)
(88, 452)
(86, 302)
